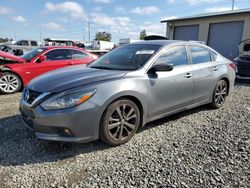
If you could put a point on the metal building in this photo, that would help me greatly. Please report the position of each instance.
(223, 31)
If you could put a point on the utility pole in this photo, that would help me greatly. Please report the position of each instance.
(89, 29)
(232, 5)
(40, 34)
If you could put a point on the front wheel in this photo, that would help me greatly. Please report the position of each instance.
(9, 83)
(220, 94)
(120, 122)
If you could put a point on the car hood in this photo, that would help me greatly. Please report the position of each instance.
(7, 57)
(70, 77)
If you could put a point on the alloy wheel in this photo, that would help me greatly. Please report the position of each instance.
(9, 83)
(122, 122)
(221, 93)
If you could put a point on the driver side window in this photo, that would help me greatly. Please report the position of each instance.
(175, 55)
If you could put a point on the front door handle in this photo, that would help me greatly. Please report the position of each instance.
(188, 75)
(215, 68)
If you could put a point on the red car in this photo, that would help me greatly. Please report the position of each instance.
(16, 72)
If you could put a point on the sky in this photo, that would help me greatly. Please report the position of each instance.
(39, 19)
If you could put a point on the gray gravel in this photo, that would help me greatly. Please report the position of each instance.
(197, 148)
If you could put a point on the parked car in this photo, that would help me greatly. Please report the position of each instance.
(16, 72)
(58, 42)
(124, 89)
(243, 60)
(20, 47)
(27, 43)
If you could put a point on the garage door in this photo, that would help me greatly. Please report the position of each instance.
(225, 37)
(189, 32)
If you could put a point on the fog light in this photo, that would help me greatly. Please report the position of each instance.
(67, 132)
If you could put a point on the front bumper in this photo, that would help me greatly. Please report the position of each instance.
(77, 124)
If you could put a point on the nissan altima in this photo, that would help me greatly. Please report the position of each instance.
(125, 89)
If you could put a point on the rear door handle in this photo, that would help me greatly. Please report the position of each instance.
(215, 68)
(188, 75)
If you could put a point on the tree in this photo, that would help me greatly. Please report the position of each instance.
(105, 36)
(143, 34)
(3, 40)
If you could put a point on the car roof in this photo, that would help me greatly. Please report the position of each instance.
(66, 47)
(168, 42)
(158, 42)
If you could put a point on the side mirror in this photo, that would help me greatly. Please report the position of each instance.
(42, 58)
(162, 67)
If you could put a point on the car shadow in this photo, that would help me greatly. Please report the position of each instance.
(175, 116)
(245, 83)
(19, 145)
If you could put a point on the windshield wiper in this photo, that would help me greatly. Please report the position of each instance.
(101, 67)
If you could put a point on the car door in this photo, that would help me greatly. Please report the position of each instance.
(203, 72)
(80, 57)
(171, 90)
(55, 59)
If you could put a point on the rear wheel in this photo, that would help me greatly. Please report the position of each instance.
(9, 83)
(220, 94)
(120, 122)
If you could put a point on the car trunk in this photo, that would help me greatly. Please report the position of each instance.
(243, 61)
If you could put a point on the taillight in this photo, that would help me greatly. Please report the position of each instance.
(232, 65)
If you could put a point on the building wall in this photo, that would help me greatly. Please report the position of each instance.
(205, 22)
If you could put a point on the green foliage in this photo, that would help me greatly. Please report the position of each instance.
(143, 34)
(104, 36)
(3, 40)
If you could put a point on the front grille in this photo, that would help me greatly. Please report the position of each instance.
(30, 95)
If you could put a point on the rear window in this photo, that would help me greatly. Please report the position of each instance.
(246, 47)
(79, 54)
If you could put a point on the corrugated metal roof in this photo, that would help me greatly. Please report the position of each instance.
(209, 15)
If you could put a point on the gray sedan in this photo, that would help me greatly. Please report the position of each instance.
(125, 89)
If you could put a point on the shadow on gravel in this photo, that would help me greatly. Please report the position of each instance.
(175, 117)
(19, 145)
(242, 83)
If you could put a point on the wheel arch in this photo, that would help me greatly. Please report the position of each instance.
(133, 98)
(225, 78)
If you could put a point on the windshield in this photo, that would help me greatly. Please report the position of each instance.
(128, 57)
(30, 55)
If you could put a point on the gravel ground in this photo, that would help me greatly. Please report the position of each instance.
(198, 148)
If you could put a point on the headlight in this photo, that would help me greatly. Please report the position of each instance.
(65, 100)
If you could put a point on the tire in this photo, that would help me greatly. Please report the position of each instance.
(120, 122)
(9, 83)
(220, 94)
